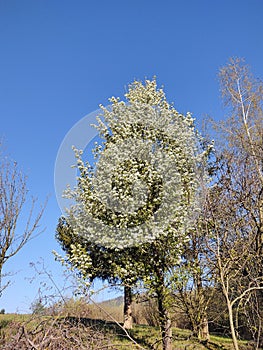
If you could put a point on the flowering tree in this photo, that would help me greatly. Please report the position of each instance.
(142, 195)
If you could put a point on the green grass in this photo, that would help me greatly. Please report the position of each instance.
(147, 337)
(6, 319)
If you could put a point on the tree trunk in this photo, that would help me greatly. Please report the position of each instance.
(166, 330)
(204, 331)
(167, 333)
(231, 320)
(165, 322)
(232, 327)
(229, 307)
(127, 307)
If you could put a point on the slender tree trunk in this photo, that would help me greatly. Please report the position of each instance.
(127, 307)
(230, 317)
(232, 327)
(229, 307)
(165, 321)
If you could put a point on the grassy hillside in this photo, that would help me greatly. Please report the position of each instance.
(21, 332)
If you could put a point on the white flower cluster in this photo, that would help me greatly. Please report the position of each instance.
(146, 175)
(77, 258)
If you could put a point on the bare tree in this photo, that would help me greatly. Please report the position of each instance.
(193, 283)
(235, 202)
(16, 226)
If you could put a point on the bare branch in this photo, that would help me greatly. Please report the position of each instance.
(13, 207)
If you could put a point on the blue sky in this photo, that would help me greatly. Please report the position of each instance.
(60, 59)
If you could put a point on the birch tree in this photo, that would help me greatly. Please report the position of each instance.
(235, 202)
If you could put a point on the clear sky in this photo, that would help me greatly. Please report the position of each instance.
(60, 59)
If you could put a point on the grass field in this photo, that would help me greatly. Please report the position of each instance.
(108, 335)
